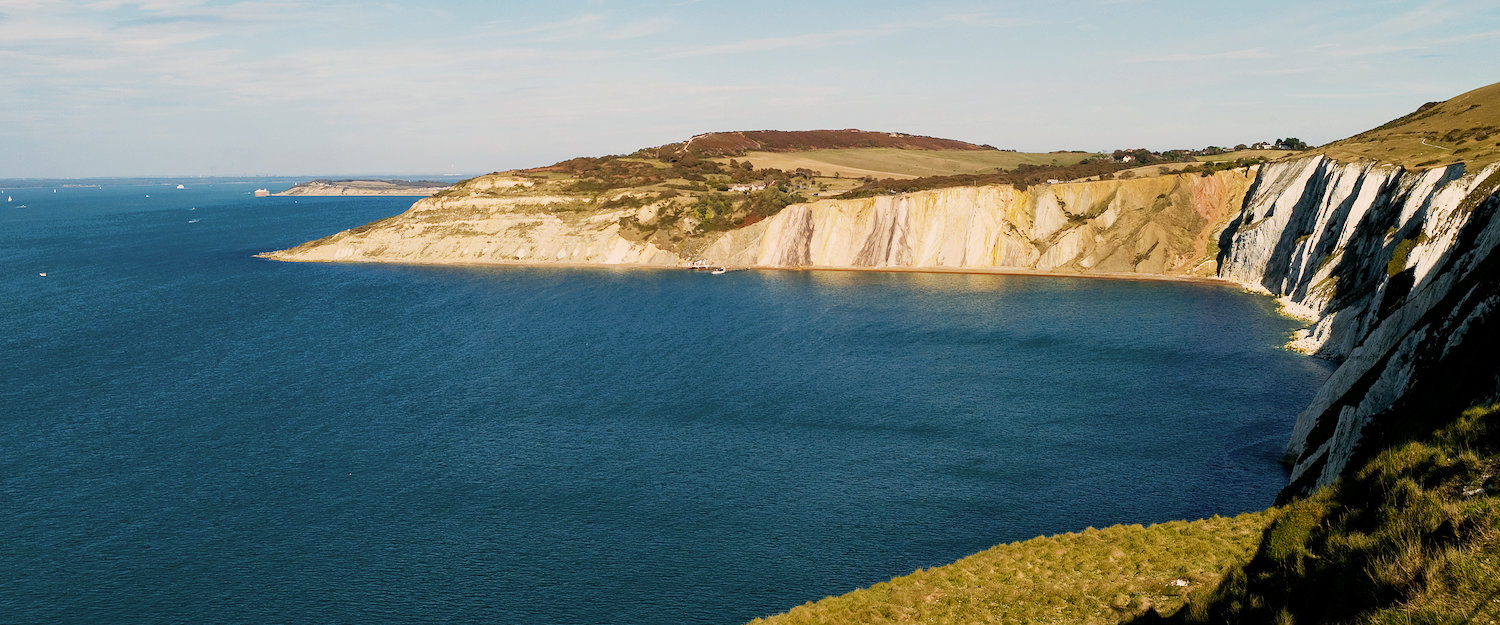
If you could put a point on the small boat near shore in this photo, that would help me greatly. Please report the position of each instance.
(719, 271)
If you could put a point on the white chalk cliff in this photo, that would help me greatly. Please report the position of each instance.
(1161, 225)
(1396, 269)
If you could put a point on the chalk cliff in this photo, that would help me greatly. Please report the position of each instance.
(1160, 225)
(1398, 274)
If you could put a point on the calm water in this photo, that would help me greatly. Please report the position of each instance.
(189, 434)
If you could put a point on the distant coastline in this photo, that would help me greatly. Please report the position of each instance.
(324, 188)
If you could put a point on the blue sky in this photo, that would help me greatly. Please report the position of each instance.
(292, 87)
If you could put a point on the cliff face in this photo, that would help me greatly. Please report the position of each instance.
(1162, 225)
(1158, 225)
(468, 229)
(1398, 273)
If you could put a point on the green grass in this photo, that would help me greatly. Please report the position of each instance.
(901, 164)
(1463, 129)
(1413, 536)
(1397, 263)
(1091, 577)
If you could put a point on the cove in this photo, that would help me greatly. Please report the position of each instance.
(194, 434)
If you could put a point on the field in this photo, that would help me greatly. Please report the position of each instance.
(905, 164)
(1094, 576)
(1464, 128)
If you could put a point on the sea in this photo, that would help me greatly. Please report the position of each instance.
(191, 434)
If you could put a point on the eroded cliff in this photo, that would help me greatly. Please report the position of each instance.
(1161, 225)
(1398, 273)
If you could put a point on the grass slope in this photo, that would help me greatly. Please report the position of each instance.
(1413, 536)
(1463, 129)
(904, 164)
(1093, 576)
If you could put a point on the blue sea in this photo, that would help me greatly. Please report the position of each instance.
(190, 434)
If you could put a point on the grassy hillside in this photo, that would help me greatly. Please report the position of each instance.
(1411, 537)
(1094, 576)
(902, 164)
(1463, 129)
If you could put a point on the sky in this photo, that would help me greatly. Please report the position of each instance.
(330, 87)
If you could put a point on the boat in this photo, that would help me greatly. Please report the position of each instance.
(719, 271)
(192, 221)
(262, 193)
(8, 198)
(181, 187)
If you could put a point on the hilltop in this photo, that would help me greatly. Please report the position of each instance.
(1463, 129)
(715, 144)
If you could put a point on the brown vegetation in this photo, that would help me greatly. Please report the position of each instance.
(717, 144)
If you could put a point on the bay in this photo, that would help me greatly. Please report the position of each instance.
(192, 434)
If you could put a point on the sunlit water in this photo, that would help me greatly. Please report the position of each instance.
(191, 434)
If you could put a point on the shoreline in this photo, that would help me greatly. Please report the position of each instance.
(998, 271)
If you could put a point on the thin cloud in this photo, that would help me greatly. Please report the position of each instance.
(1246, 54)
(562, 29)
(594, 26)
(1372, 50)
(809, 40)
(836, 37)
(1335, 50)
(1288, 71)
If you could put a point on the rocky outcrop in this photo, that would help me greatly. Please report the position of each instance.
(1162, 225)
(1398, 274)
(465, 229)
